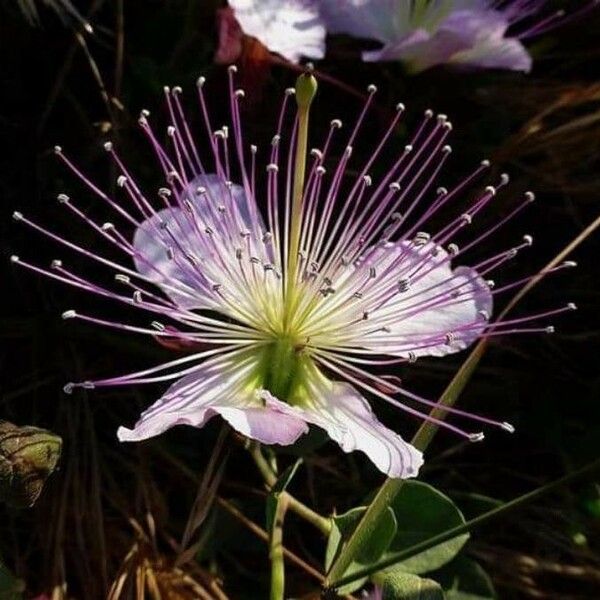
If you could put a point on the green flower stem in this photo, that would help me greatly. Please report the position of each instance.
(391, 487)
(276, 550)
(402, 555)
(306, 88)
(323, 524)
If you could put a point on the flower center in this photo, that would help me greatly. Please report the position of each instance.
(283, 369)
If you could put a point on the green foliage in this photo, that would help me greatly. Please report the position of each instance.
(465, 579)
(422, 512)
(399, 585)
(379, 541)
(418, 513)
(280, 486)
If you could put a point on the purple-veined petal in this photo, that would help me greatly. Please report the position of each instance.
(505, 53)
(219, 389)
(486, 43)
(292, 28)
(468, 33)
(441, 310)
(163, 240)
(348, 420)
(369, 19)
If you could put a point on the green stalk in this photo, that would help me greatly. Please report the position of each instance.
(402, 555)
(323, 524)
(391, 487)
(276, 551)
(306, 88)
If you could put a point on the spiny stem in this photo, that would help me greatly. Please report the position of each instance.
(276, 550)
(402, 555)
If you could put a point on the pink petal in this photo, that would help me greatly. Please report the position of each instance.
(348, 419)
(372, 19)
(174, 228)
(473, 38)
(218, 389)
(438, 301)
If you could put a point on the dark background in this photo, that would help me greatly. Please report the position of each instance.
(544, 128)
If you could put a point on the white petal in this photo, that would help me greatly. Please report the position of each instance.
(348, 419)
(438, 301)
(507, 53)
(292, 28)
(176, 229)
(372, 19)
(463, 32)
(219, 390)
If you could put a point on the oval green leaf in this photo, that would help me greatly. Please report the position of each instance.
(377, 543)
(422, 512)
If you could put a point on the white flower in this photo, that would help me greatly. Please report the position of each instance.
(426, 33)
(293, 291)
(291, 28)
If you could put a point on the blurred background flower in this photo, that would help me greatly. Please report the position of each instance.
(479, 34)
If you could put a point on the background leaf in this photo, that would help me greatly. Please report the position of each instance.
(421, 512)
(465, 579)
(378, 542)
(398, 585)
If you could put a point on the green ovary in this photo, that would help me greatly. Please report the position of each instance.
(283, 368)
